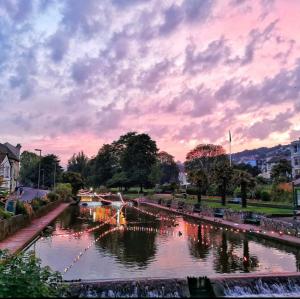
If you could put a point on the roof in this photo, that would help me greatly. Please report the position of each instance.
(5, 150)
(297, 182)
(2, 157)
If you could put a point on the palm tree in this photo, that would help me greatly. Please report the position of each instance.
(222, 176)
(245, 180)
(199, 178)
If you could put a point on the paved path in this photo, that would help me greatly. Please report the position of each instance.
(255, 230)
(23, 237)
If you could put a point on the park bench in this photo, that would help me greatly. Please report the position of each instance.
(197, 208)
(251, 218)
(219, 213)
(180, 205)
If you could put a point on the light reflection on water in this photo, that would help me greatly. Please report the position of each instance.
(185, 248)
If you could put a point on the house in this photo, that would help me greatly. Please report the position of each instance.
(295, 158)
(268, 164)
(9, 165)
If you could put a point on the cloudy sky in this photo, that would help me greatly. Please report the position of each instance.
(77, 74)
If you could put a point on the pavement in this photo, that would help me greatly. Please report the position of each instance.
(24, 236)
(29, 194)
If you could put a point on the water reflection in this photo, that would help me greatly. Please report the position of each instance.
(179, 249)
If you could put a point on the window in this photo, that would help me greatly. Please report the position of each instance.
(295, 148)
(296, 161)
(6, 172)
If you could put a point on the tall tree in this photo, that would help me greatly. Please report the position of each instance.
(138, 156)
(50, 164)
(169, 168)
(246, 181)
(75, 179)
(78, 163)
(222, 176)
(281, 172)
(103, 166)
(28, 168)
(199, 165)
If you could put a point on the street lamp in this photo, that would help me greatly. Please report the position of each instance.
(39, 150)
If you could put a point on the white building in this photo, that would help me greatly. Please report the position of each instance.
(295, 156)
(9, 165)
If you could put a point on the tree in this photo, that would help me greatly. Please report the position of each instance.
(103, 166)
(28, 168)
(253, 170)
(22, 275)
(64, 190)
(245, 181)
(75, 179)
(78, 163)
(222, 176)
(119, 180)
(169, 168)
(281, 172)
(199, 165)
(138, 156)
(49, 165)
(155, 173)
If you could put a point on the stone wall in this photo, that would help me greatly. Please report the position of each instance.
(137, 288)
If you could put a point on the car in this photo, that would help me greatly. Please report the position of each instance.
(236, 200)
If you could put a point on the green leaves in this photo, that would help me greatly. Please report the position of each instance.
(23, 276)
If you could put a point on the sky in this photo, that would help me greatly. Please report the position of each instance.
(78, 74)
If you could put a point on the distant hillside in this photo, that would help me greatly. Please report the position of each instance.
(262, 153)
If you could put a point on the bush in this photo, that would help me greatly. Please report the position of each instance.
(21, 209)
(4, 214)
(53, 196)
(64, 191)
(36, 204)
(23, 276)
(265, 195)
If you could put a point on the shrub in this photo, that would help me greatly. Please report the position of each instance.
(5, 214)
(36, 203)
(53, 196)
(265, 195)
(64, 191)
(20, 208)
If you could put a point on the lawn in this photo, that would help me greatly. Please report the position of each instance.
(264, 210)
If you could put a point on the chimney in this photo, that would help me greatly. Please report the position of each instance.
(18, 149)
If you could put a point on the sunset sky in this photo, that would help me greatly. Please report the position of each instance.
(77, 74)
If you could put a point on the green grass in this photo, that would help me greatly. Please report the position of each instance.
(264, 210)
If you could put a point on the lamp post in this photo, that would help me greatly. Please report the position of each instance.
(39, 150)
(43, 186)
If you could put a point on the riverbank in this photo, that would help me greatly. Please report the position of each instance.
(245, 228)
(19, 240)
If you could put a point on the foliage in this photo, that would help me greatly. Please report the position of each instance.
(119, 180)
(155, 173)
(75, 179)
(78, 163)
(5, 214)
(29, 170)
(23, 276)
(200, 163)
(20, 208)
(169, 169)
(253, 170)
(64, 190)
(138, 156)
(246, 181)
(222, 174)
(280, 194)
(53, 196)
(265, 195)
(282, 171)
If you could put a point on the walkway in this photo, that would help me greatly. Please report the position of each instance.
(24, 236)
(246, 228)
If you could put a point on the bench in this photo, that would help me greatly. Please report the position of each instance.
(219, 213)
(197, 208)
(251, 218)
